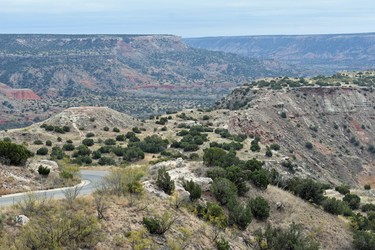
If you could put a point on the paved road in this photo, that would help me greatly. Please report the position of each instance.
(90, 179)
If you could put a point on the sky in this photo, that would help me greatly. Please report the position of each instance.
(189, 18)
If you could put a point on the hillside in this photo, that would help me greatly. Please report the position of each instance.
(336, 121)
(315, 54)
(124, 212)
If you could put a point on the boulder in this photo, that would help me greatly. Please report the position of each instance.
(168, 165)
(21, 220)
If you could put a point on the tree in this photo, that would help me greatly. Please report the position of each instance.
(224, 190)
(259, 208)
(364, 240)
(164, 181)
(194, 189)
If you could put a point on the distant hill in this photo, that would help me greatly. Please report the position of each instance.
(70, 65)
(135, 74)
(316, 54)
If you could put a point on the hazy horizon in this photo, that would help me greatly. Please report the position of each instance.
(187, 19)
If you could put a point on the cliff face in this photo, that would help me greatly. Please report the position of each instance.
(317, 54)
(337, 121)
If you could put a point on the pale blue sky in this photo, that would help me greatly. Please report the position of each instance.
(189, 18)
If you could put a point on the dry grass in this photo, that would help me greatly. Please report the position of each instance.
(331, 231)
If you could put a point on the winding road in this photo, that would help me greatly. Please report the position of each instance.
(90, 178)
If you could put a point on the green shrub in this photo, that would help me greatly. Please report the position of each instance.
(57, 153)
(260, 178)
(66, 174)
(343, 189)
(96, 155)
(307, 189)
(364, 240)
(222, 244)
(275, 146)
(223, 190)
(90, 134)
(13, 154)
(38, 142)
(48, 143)
(268, 152)
(367, 187)
(88, 142)
(83, 150)
(110, 142)
(106, 161)
(106, 128)
(116, 130)
(334, 206)
(159, 224)
(152, 144)
(68, 147)
(120, 138)
(283, 114)
(309, 145)
(368, 207)
(43, 170)
(259, 208)
(291, 238)
(239, 214)
(194, 189)
(133, 153)
(164, 181)
(42, 151)
(136, 130)
(353, 200)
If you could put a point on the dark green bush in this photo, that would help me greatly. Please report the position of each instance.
(68, 147)
(43, 170)
(88, 142)
(367, 187)
(260, 178)
(223, 190)
(222, 244)
(308, 145)
(343, 189)
(13, 154)
(48, 143)
(194, 189)
(291, 238)
(136, 130)
(364, 240)
(38, 142)
(42, 151)
(334, 206)
(164, 181)
(259, 208)
(57, 153)
(110, 142)
(275, 146)
(239, 214)
(353, 200)
(90, 134)
(106, 128)
(116, 130)
(120, 138)
(106, 161)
